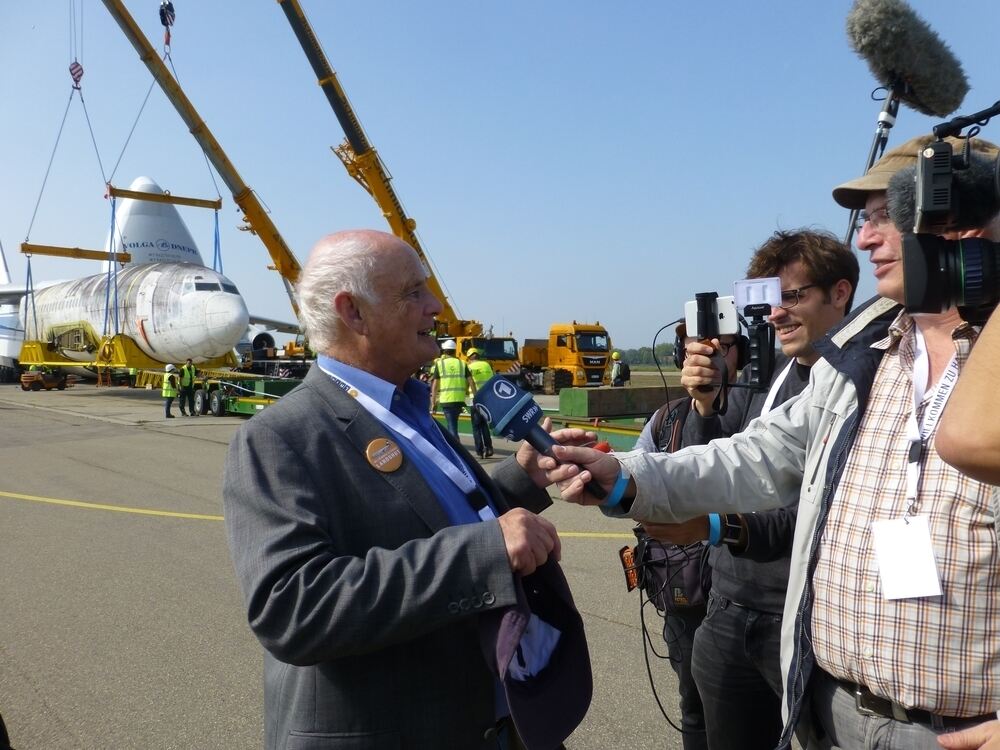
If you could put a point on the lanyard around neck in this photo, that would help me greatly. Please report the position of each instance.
(460, 477)
(918, 435)
(775, 387)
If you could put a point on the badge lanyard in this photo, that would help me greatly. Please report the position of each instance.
(917, 435)
(775, 386)
(461, 478)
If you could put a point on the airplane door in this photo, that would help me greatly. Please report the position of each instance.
(144, 316)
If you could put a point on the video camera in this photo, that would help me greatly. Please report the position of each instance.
(949, 193)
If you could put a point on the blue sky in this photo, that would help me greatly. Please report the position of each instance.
(563, 160)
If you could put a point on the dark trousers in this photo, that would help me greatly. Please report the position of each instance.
(451, 412)
(168, 401)
(187, 397)
(679, 628)
(481, 434)
(4, 738)
(737, 667)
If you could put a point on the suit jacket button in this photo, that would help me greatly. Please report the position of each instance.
(477, 601)
(490, 734)
(488, 598)
(453, 608)
(464, 604)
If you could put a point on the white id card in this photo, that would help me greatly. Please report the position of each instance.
(905, 558)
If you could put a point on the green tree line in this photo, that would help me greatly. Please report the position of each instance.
(644, 355)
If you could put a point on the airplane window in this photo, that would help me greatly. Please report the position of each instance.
(205, 286)
(231, 288)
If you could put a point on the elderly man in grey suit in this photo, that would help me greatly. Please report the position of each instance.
(371, 549)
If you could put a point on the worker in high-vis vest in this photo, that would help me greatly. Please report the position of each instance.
(187, 389)
(132, 373)
(481, 371)
(449, 381)
(169, 391)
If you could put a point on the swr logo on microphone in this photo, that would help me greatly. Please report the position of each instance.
(504, 390)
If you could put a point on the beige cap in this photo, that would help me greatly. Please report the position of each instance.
(853, 194)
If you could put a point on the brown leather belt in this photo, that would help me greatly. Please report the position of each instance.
(869, 704)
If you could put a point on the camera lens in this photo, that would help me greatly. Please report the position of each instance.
(940, 273)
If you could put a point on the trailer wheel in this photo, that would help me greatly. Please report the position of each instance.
(201, 399)
(217, 404)
(35, 385)
(61, 386)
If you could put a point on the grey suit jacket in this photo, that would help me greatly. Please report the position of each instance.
(364, 597)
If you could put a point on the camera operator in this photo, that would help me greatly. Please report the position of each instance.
(890, 620)
(968, 439)
(736, 650)
(664, 432)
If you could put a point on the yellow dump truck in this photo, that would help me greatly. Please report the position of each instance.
(574, 355)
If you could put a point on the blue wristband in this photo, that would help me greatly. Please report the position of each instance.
(714, 529)
(617, 492)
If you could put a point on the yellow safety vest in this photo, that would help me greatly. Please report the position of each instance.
(169, 385)
(451, 380)
(481, 372)
(187, 375)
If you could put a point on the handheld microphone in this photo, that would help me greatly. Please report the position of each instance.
(906, 56)
(513, 414)
(974, 198)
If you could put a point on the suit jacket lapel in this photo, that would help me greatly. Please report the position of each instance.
(361, 428)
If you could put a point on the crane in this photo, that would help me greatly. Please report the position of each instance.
(365, 166)
(254, 215)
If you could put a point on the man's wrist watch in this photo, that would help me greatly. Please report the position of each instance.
(733, 531)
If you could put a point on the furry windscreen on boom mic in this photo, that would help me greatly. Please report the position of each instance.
(903, 52)
(973, 190)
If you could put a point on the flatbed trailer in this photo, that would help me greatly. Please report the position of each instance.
(222, 392)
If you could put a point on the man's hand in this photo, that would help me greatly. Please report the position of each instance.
(699, 369)
(689, 532)
(981, 737)
(575, 467)
(528, 457)
(530, 540)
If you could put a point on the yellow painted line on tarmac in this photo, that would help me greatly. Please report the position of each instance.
(203, 517)
(114, 508)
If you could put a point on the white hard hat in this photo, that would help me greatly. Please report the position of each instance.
(448, 345)
(170, 368)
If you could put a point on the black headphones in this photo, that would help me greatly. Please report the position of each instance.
(742, 351)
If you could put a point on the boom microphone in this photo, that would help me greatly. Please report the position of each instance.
(513, 414)
(906, 56)
(974, 197)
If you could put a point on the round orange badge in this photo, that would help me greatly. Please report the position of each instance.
(384, 455)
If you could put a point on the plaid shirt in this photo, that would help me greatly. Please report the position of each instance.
(938, 653)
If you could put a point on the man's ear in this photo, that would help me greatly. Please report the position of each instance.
(840, 293)
(349, 312)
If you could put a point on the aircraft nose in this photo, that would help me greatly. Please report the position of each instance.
(226, 318)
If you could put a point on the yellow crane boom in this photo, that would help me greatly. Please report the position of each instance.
(365, 166)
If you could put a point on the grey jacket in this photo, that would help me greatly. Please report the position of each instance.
(794, 454)
(364, 597)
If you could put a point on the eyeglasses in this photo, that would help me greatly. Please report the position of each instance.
(878, 217)
(792, 297)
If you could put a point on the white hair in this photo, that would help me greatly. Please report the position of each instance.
(343, 262)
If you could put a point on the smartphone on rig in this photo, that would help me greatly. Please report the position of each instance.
(708, 317)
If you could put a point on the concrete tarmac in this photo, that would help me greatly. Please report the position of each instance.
(122, 625)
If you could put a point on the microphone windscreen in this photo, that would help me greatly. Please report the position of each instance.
(901, 197)
(900, 48)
